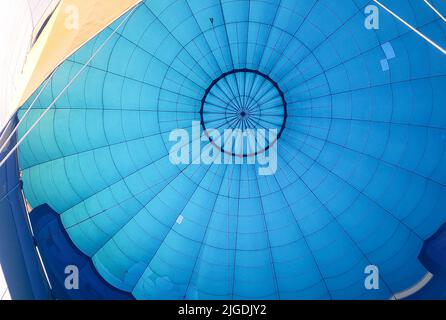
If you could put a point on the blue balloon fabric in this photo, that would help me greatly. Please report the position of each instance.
(361, 168)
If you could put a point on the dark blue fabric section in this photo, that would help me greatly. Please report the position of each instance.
(18, 256)
(433, 254)
(433, 257)
(58, 252)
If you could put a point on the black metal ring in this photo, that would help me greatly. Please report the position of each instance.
(245, 70)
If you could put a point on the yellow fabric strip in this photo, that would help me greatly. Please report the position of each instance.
(73, 23)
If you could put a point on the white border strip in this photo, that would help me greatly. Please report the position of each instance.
(417, 287)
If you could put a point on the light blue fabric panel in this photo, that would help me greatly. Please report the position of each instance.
(361, 160)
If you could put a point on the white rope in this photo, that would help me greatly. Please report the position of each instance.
(23, 117)
(435, 10)
(11, 152)
(442, 50)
